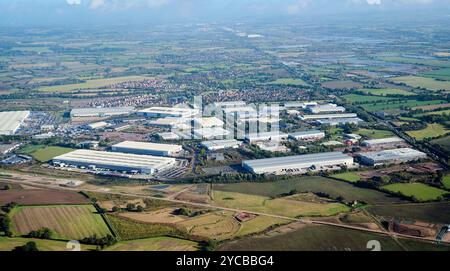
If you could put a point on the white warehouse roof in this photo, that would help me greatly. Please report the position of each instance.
(115, 160)
(328, 116)
(307, 134)
(389, 140)
(147, 146)
(391, 156)
(159, 111)
(11, 121)
(208, 122)
(276, 135)
(101, 111)
(297, 162)
(221, 144)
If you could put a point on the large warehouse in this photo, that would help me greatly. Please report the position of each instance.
(265, 136)
(214, 145)
(307, 135)
(147, 148)
(340, 121)
(382, 141)
(327, 116)
(100, 112)
(162, 112)
(394, 156)
(144, 164)
(298, 164)
(326, 108)
(10, 121)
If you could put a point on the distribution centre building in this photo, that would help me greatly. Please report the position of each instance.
(326, 108)
(327, 116)
(215, 145)
(298, 164)
(162, 112)
(145, 164)
(147, 148)
(307, 135)
(382, 141)
(11, 121)
(394, 156)
(265, 136)
(100, 111)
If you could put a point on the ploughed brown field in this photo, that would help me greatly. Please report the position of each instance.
(41, 197)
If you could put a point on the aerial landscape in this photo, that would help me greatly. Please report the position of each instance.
(265, 132)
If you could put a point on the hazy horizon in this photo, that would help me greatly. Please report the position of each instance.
(91, 12)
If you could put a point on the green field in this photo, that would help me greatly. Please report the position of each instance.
(92, 84)
(386, 91)
(48, 153)
(155, 244)
(436, 212)
(432, 130)
(348, 176)
(331, 187)
(446, 181)
(439, 112)
(441, 74)
(312, 238)
(128, 229)
(68, 222)
(426, 62)
(289, 81)
(279, 206)
(357, 98)
(423, 82)
(443, 142)
(8, 244)
(389, 105)
(420, 191)
(374, 134)
(259, 224)
(29, 149)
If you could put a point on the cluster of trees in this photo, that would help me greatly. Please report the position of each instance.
(188, 212)
(44, 233)
(5, 225)
(100, 242)
(8, 207)
(29, 246)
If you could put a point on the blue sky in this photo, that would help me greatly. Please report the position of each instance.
(61, 12)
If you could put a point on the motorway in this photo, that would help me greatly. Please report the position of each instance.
(21, 179)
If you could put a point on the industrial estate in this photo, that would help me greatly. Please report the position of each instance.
(226, 137)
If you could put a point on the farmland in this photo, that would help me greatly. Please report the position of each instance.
(409, 60)
(437, 212)
(280, 206)
(289, 81)
(69, 222)
(431, 131)
(48, 153)
(92, 84)
(423, 82)
(398, 104)
(312, 238)
(420, 191)
(8, 244)
(348, 176)
(357, 98)
(386, 91)
(214, 225)
(441, 74)
(41, 197)
(310, 184)
(128, 229)
(155, 244)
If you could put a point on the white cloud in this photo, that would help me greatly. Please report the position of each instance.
(374, 2)
(73, 2)
(97, 4)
